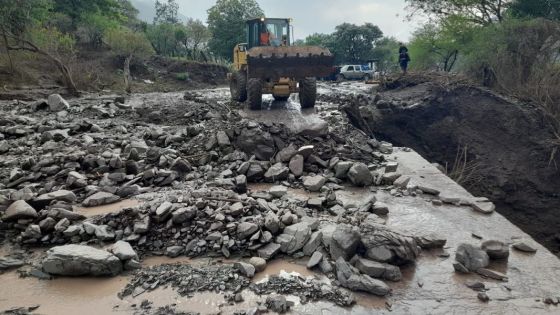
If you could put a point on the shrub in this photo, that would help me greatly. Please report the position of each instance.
(182, 76)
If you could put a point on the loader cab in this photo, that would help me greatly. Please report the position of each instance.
(268, 32)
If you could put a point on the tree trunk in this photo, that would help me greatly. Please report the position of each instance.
(126, 71)
(8, 53)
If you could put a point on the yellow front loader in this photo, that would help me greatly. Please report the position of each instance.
(269, 64)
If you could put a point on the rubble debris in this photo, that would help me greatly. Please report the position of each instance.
(471, 258)
(80, 260)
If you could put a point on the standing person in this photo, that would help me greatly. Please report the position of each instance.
(404, 58)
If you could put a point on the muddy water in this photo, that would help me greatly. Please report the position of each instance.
(110, 208)
(286, 268)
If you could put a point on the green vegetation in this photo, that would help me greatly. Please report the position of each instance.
(182, 76)
(226, 22)
(509, 45)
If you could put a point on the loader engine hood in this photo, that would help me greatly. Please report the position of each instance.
(289, 61)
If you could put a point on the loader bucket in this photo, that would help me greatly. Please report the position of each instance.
(289, 62)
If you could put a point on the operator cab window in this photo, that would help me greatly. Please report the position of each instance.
(350, 68)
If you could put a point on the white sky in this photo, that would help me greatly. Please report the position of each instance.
(313, 16)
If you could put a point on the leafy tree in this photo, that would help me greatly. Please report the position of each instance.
(482, 12)
(166, 38)
(77, 10)
(354, 43)
(440, 45)
(549, 9)
(166, 12)
(21, 30)
(385, 53)
(319, 39)
(226, 22)
(93, 27)
(131, 45)
(198, 34)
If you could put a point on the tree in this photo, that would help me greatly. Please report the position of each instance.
(129, 44)
(385, 53)
(165, 38)
(319, 39)
(482, 12)
(21, 30)
(354, 43)
(198, 34)
(166, 12)
(77, 10)
(226, 22)
(549, 9)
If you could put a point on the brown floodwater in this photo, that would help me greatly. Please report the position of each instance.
(110, 208)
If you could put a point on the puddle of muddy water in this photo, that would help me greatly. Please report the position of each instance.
(105, 209)
(285, 268)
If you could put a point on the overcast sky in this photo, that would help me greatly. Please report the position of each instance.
(312, 16)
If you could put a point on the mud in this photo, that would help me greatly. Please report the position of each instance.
(509, 158)
(105, 209)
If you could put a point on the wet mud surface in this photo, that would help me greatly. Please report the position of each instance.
(428, 286)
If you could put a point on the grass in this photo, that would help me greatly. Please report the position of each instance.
(182, 76)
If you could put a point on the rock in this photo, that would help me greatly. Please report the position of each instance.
(482, 296)
(57, 103)
(271, 222)
(402, 181)
(485, 207)
(314, 183)
(345, 241)
(183, 215)
(460, 268)
(428, 190)
(495, 249)
(315, 259)
(72, 230)
(301, 232)
(241, 184)
(104, 233)
(269, 250)
(47, 224)
(19, 210)
(492, 274)
(391, 167)
(123, 251)
(9, 263)
(296, 165)
(380, 208)
(286, 154)
(278, 304)
(246, 229)
(278, 191)
(431, 241)
(236, 209)
(313, 243)
(380, 254)
(62, 225)
(276, 172)
(223, 139)
(245, 269)
(350, 278)
(341, 169)
(256, 142)
(524, 247)
(471, 257)
(255, 172)
(174, 251)
(59, 195)
(80, 260)
(163, 211)
(258, 262)
(378, 270)
(360, 175)
(99, 199)
(379, 238)
(475, 285)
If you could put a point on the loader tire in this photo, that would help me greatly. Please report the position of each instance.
(308, 92)
(254, 93)
(238, 86)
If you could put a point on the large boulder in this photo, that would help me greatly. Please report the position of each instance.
(378, 270)
(471, 257)
(349, 277)
(396, 247)
(123, 251)
(80, 260)
(256, 142)
(345, 242)
(19, 210)
(57, 103)
(300, 234)
(360, 175)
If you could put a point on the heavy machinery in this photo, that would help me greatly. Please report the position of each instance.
(268, 64)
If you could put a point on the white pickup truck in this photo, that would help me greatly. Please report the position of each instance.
(355, 72)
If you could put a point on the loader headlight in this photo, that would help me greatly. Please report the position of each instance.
(262, 19)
